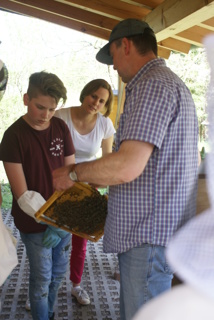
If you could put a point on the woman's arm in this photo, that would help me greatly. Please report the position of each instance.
(107, 145)
(69, 160)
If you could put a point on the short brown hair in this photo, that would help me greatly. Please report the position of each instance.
(143, 42)
(47, 84)
(93, 86)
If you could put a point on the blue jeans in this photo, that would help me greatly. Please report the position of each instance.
(47, 270)
(144, 274)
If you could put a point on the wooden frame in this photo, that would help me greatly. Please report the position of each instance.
(76, 196)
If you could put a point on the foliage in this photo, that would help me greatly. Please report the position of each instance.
(30, 45)
(7, 197)
(193, 69)
(103, 190)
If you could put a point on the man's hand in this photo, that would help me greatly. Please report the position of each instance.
(61, 179)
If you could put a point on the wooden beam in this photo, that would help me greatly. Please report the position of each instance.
(194, 35)
(149, 3)
(176, 45)
(60, 20)
(205, 26)
(112, 8)
(70, 12)
(173, 16)
(177, 23)
(163, 52)
(208, 24)
(120, 101)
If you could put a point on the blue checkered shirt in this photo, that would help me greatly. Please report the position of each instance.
(158, 109)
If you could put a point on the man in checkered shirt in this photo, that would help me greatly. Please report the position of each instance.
(153, 172)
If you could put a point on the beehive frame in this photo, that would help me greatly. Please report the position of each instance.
(77, 193)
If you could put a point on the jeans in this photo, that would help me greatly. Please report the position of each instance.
(77, 259)
(144, 274)
(47, 270)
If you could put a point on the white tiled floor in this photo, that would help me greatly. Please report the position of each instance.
(97, 280)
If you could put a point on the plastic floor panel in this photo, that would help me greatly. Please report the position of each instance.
(97, 280)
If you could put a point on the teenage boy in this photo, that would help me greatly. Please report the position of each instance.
(31, 148)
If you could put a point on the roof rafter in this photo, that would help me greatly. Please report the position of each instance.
(172, 16)
(110, 8)
(178, 24)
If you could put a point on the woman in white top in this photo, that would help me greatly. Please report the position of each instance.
(90, 131)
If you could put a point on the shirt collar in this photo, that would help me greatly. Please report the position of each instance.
(153, 63)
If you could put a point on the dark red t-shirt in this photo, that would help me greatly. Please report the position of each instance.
(39, 152)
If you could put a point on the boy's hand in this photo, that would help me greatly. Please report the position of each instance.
(61, 179)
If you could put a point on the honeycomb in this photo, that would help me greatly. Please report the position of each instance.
(81, 210)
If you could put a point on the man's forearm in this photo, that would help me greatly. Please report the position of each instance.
(120, 167)
(107, 170)
(102, 172)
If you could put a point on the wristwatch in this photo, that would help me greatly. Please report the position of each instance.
(73, 175)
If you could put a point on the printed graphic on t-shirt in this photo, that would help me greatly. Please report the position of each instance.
(57, 147)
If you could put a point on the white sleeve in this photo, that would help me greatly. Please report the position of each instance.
(109, 128)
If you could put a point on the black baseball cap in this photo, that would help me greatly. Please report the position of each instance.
(125, 28)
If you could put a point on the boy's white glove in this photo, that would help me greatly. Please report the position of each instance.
(30, 202)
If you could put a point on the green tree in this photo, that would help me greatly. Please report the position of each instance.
(30, 45)
(193, 69)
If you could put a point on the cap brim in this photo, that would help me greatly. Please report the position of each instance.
(103, 55)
